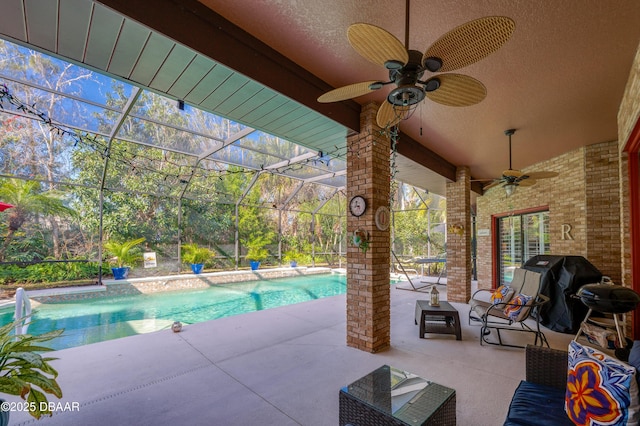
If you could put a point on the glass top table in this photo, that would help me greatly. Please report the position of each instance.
(396, 397)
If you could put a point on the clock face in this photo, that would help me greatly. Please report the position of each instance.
(357, 205)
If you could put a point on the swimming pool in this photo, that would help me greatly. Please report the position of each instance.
(99, 319)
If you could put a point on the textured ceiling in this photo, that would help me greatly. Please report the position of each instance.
(559, 80)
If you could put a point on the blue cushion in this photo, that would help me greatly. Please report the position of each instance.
(537, 405)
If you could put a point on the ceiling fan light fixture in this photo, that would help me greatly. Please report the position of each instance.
(510, 188)
(406, 95)
(433, 64)
(393, 64)
(432, 84)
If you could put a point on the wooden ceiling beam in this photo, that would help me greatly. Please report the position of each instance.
(414, 150)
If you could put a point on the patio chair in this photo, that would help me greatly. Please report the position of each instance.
(483, 298)
(510, 313)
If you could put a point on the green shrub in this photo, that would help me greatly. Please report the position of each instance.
(48, 272)
(125, 253)
(192, 253)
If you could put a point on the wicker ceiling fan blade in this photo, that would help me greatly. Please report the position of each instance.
(526, 182)
(493, 184)
(542, 175)
(376, 44)
(347, 92)
(470, 42)
(390, 115)
(457, 90)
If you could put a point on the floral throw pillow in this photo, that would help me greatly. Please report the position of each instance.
(518, 307)
(501, 294)
(601, 390)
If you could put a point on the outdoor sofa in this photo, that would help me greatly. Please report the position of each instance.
(540, 399)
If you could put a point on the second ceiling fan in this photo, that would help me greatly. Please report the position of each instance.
(511, 178)
(458, 48)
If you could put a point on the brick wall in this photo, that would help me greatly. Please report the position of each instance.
(459, 245)
(625, 224)
(583, 196)
(603, 208)
(368, 290)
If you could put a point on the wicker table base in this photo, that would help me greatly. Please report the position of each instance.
(442, 319)
(388, 396)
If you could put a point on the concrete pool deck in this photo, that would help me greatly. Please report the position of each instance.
(282, 366)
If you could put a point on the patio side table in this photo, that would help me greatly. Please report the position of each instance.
(390, 396)
(442, 319)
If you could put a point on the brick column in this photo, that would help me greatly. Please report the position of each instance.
(459, 239)
(368, 290)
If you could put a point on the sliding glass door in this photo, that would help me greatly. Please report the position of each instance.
(520, 237)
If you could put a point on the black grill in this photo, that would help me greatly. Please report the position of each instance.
(608, 298)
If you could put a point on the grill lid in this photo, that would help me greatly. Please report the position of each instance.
(608, 298)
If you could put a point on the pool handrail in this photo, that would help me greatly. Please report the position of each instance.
(23, 310)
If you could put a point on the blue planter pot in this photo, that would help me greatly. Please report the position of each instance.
(254, 265)
(120, 273)
(293, 263)
(197, 267)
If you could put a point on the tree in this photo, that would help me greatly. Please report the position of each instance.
(28, 201)
(33, 148)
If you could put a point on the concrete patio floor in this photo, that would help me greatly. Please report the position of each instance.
(282, 366)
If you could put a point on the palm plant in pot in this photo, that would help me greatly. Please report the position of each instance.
(26, 373)
(125, 255)
(256, 252)
(196, 256)
(292, 256)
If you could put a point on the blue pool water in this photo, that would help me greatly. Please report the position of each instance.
(99, 319)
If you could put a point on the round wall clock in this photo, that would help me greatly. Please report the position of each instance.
(357, 205)
(383, 218)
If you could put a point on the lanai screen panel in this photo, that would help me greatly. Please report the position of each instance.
(255, 156)
(135, 168)
(167, 129)
(211, 225)
(216, 182)
(153, 160)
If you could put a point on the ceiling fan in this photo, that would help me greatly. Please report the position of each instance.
(458, 48)
(511, 179)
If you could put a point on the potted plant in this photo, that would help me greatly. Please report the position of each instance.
(24, 372)
(125, 255)
(292, 256)
(196, 256)
(256, 254)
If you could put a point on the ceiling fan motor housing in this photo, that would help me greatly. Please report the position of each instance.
(407, 93)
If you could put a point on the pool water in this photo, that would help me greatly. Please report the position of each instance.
(99, 319)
